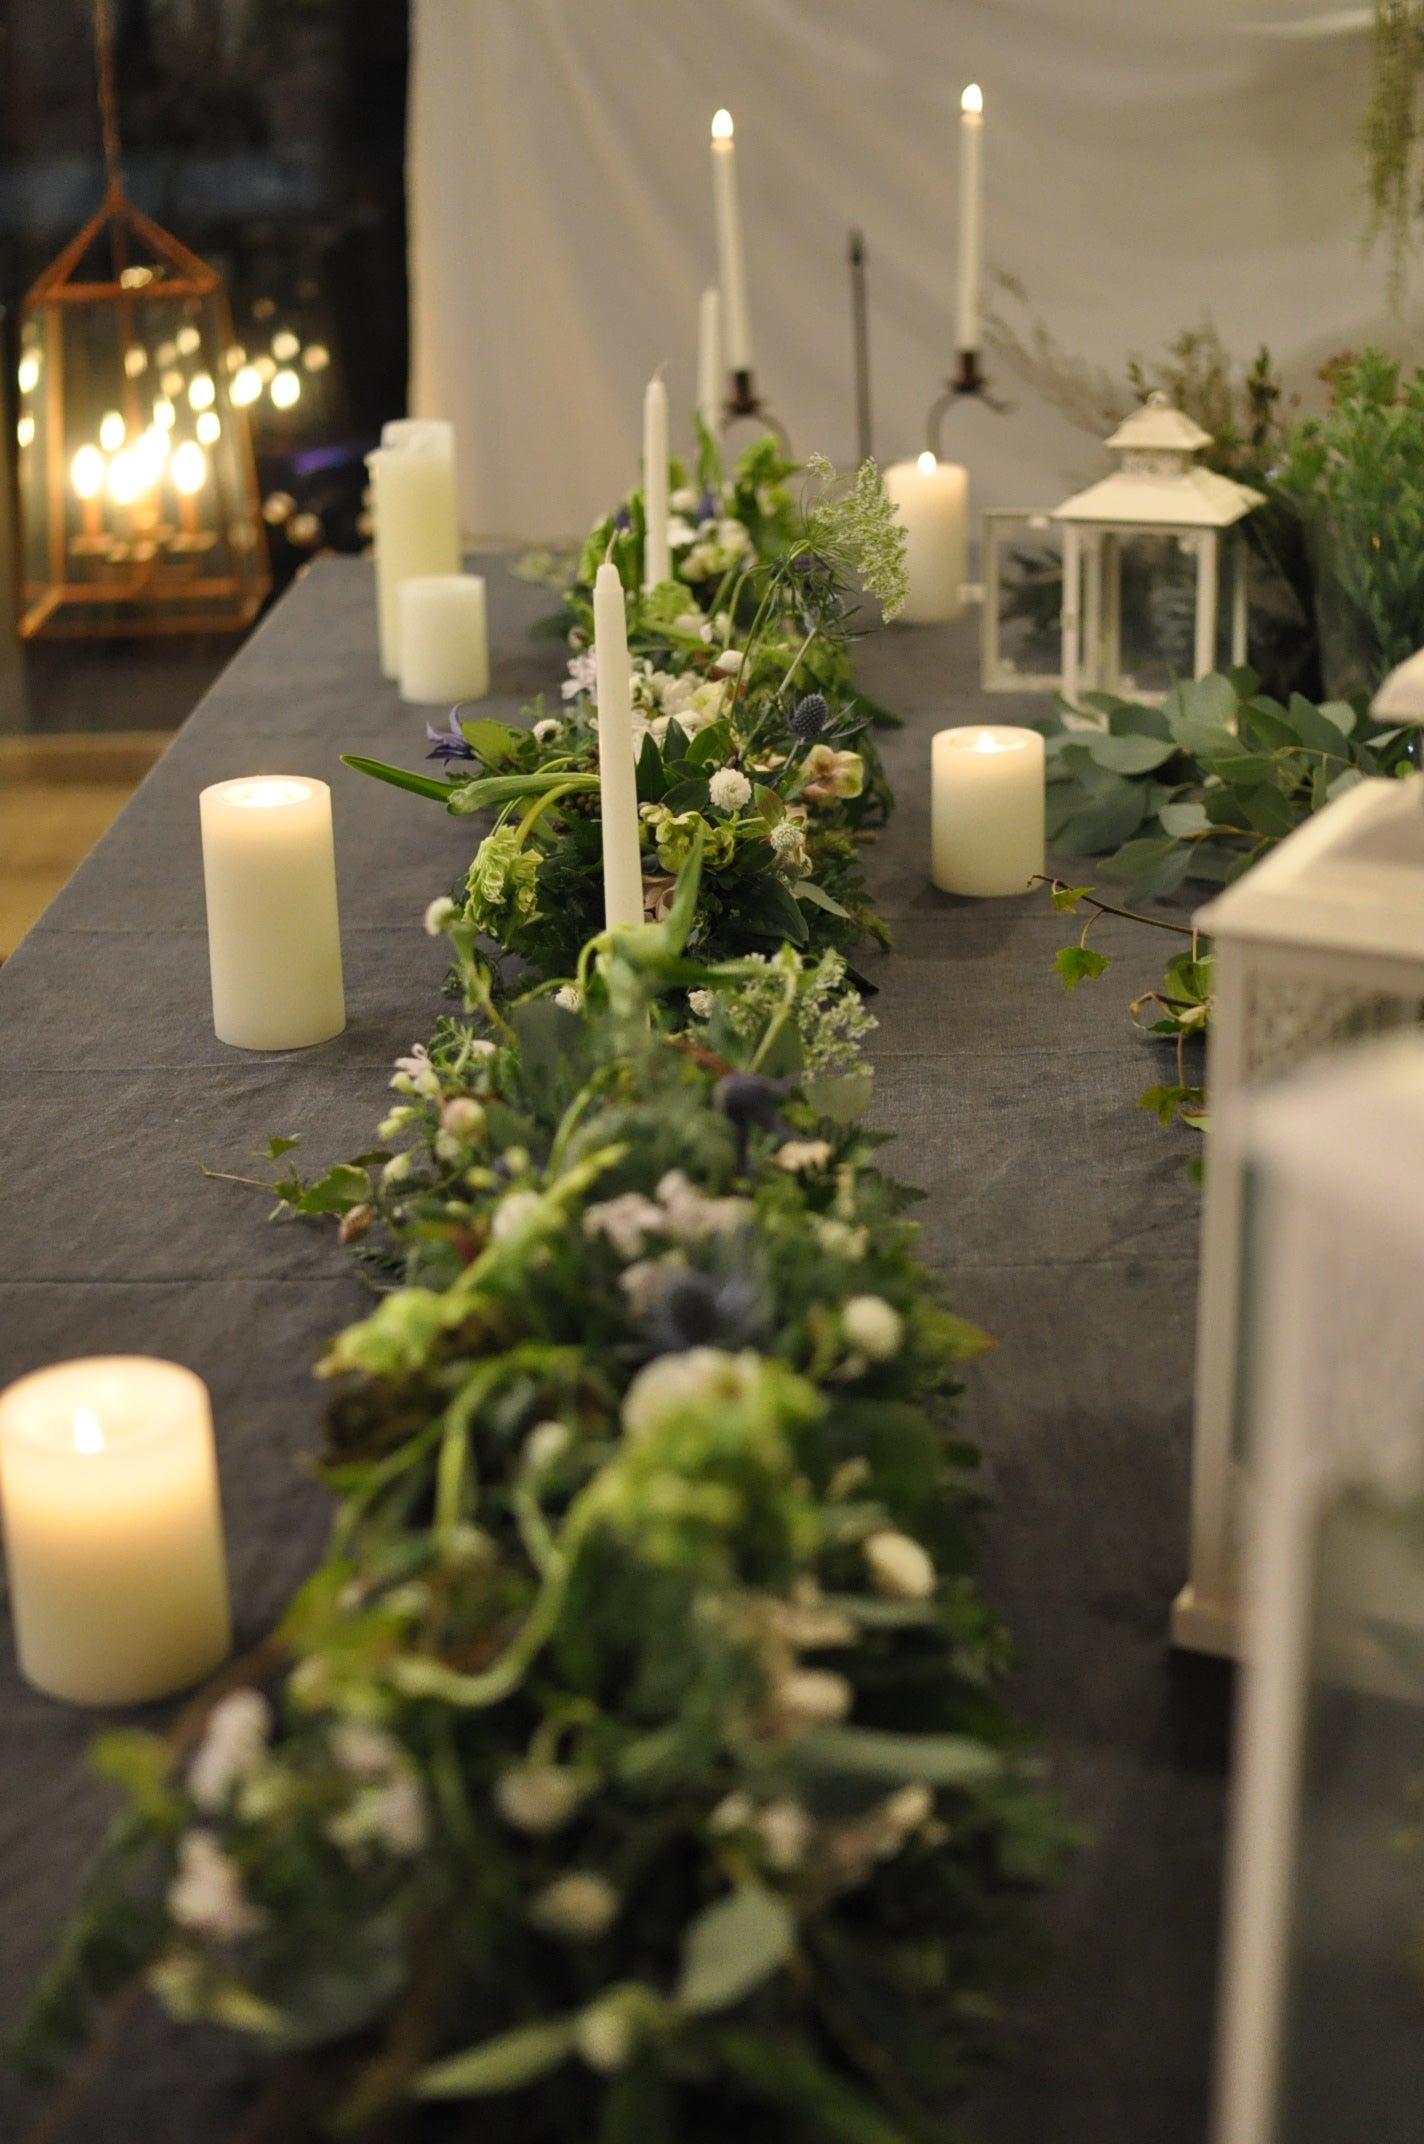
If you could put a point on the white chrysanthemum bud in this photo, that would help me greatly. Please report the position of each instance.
(581, 1906)
(441, 913)
(545, 1444)
(396, 1121)
(538, 1797)
(397, 1169)
(729, 789)
(463, 1117)
(873, 1325)
(899, 1567)
(603, 2036)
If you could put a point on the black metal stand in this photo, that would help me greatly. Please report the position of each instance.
(860, 344)
(966, 379)
(744, 405)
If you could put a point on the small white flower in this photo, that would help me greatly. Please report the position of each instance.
(810, 1697)
(545, 1444)
(785, 1831)
(441, 912)
(512, 1212)
(873, 1325)
(797, 1154)
(462, 1118)
(570, 997)
(728, 663)
(702, 1003)
(691, 1216)
(546, 731)
(392, 1815)
(366, 1752)
(840, 1239)
(480, 1047)
(683, 500)
(680, 533)
(729, 789)
(664, 1387)
(538, 1797)
(735, 1812)
(234, 1746)
(396, 1121)
(899, 1567)
(397, 1169)
(625, 1221)
(206, 1895)
(583, 675)
(448, 1149)
(580, 1905)
(908, 1807)
(603, 2035)
(416, 1074)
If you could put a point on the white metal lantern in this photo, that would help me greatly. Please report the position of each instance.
(1159, 490)
(1322, 2022)
(1322, 942)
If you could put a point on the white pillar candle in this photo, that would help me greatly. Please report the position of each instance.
(274, 942)
(731, 262)
(617, 775)
(987, 809)
(113, 1531)
(657, 558)
(435, 432)
(444, 638)
(416, 523)
(932, 499)
(971, 214)
(710, 367)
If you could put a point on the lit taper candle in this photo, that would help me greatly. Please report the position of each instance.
(657, 558)
(617, 776)
(731, 263)
(971, 214)
(711, 384)
(113, 1531)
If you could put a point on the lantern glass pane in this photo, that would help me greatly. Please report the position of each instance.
(1353, 2063)
(1023, 599)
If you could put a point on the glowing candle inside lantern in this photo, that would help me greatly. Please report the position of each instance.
(86, 473)
(113, 1532)
(731, 260)
(987, 809)
(971, 213)
(932, 500)
(274, 939)
(189, 468)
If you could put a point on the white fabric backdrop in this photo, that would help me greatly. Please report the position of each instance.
(1147, 162)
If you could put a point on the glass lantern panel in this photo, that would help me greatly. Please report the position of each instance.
(1021, 643)
(1353, 2062)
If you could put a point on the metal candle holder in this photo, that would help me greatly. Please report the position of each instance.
(743, 404)
(860, 344)
(966, 379)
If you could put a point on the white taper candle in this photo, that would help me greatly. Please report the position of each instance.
(731, 263)
(711, 385)
(617, 777)
(657, 558)
(971, 214)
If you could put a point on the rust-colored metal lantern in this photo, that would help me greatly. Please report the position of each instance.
(137, 487)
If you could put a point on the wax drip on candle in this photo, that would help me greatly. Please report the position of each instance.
(88, 1431)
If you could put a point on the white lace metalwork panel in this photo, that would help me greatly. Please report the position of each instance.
(1366, 1388)
(1289, 1021)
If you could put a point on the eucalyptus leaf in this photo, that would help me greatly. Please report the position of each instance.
(732, 1947)
(873, 1753)
(806, 889)
(504, 2064)
(1132, 754)
(1181, 820)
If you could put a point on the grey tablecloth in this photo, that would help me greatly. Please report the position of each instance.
(1062, 1213)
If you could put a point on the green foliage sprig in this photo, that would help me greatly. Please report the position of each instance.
(636, 1767)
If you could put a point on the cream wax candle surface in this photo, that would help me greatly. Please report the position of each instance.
(113, 1531)
(416, 522)
(987, 809)
(932, 500)
(444, 639)
(274, 940)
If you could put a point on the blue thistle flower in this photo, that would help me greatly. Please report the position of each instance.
(808, 718)
(622, 519)
(748, 1098)
(697, 1309)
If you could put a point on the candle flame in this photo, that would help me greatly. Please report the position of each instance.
(973, 99)
(927, 463)
(88, 1432)
(190, 468)
(986, 741)
(265, 794)
(722, 126)
(87, 472)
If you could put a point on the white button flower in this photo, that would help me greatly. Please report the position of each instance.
(899, 1567)
(873, 1325)
(729, 789)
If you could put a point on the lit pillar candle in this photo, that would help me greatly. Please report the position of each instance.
(971, 214)
(932, 500)
(617, 777)
(113, 1531)
(657, 558)
(710, 366)
(416, 524)
(731, 263)
(987, 809)
(444, 638)
(274, 942)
